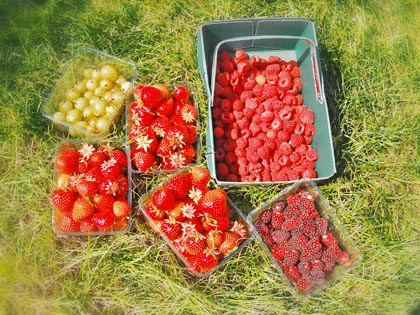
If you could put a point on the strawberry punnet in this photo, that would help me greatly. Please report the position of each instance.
(195, 218)
(97, 184)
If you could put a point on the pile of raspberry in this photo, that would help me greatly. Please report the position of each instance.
(262, 131)
(301, 241)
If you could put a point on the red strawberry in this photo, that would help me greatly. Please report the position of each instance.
(220, 223)
(200, 175)
(197, 192)
(214, 202)
(164, 199)
(179, 185)
(166, 107)
(154, 213)
(65, 223)
(181, 93)
(141, 115)
(177, 211)
(144, 161)
(86, 188)
(207, 261)
(66, 162)
(82, 209)
(63, 200)
(103, 221)
(189, 114)
(96, 158)
(120, 224)
(120, 157)
(87, 225)
(110, 169)
(122, 181)
(160, 126)
(195, 244)
(229, 243)
(214, 238)
(151, 96)
(108, 187)
(103, 202)
(146, 141)
(171, 229)
(121, 208)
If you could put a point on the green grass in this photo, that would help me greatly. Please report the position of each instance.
(370, 52)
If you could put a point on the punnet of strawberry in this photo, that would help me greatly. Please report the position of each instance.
(162, 128)
(303, 237)
(92, 189)
(197, 220)
(262, 129)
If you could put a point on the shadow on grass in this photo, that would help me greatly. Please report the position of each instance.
(334, 96)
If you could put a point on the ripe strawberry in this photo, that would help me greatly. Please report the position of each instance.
(177, 211)
(144, 161)
(166, 107)
(66, 162)
(145, 141)
(103, 202)
(63, 200)
(96, 158)
(140, 115)
(122, 181)
(181, 93)
(200, 175)
(86, 188)
(108, 187)
(87, 226)
(195, 222)
(214, 238)
(82, 209)
(154, 213)
(121, 208)
(229, 243)
(171, 228)
(179, 185)
(164, 199)
(103, 221)
(151, 96)
(195, 244)
(120, 224)
(239, 228)
(120, 157)
(214, 202)
(220, 223)
(65, 223)
(207, 261)
(160, 126)
(110, 169)
(86, 150)
(62, 181)
(189, 114)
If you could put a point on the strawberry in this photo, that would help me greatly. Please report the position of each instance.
(154, 213)
(110, 169)
(207, 261)
(164, 199)
(166, 107)
(195, 244)
(197, 192)
(189, 114)
(150, 96)
(96, 158)
(82, 209)
(220, 223)
(144, 161)
(141, 115)
(177, 211)
(65, 223)
(86, 188)
(86, 150)
(103, 221)
(229, 243)
(108, 187)
(120, 157)
(121, 208)
(103, 202)
(160, 126)
(146, 141)
(122, 181)
(181, 93)
(66, 162)
(62, 181)
(179, 185)
(214, 202)
(120, 224)
(214, 238)
(87, 226)
(171, 228)
(195, 222)
(239, 228)
(63, 200)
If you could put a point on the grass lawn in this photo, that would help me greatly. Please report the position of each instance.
(370, 57)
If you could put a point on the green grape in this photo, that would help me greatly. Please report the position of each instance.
(80, 86)
(99, 107)
(91, 84)
(109, 72)
(103, 123)
(127, 87)
(72, 95)
(99, 91)
(81, 103)
(117, 98)
(88, 113)
(96, 74)
(65, 106)
(106, 84)
(73, 115)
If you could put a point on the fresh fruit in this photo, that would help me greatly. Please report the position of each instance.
(259, 117)
(162, 128)
(300, 240)
(195, 218)
(95, 101)
(94, 196)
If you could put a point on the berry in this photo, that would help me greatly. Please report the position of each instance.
(195, 244)
(144, 161)
(164, 199)
(229, 243)
(179, 185)
(214, 202)
(291, 223)
(66, 162)
(65, 223)
(206, 261)
(150, 96)
(86, 188)
(63, 200)
(171, 229)
(121, 208)
(103, 221)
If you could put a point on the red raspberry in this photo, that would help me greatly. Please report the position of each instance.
(291, 257)
(267, 116)
(264, 153)
(227, 65)
(285, 81)
(283, 136)
(255, 143)
(251, 156)
(280, 236)
(289, 125)
(268, 91)
(273, 69)
(226, 105)
(311, 154)
(219, 155)
(291, 223)
(296, 140)
(299, 128)
(258, 90)
(309, 174)
(284, 149)
(223, 79)
(307, 116)
(222, 169)
(230, 158)
(238, 105)
(245, 95)
(286, 113)
(218, 132)
(243, 67)
(240, 55)
(310, 130)
(278, 252)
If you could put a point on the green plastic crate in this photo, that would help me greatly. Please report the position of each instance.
(295, 39)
